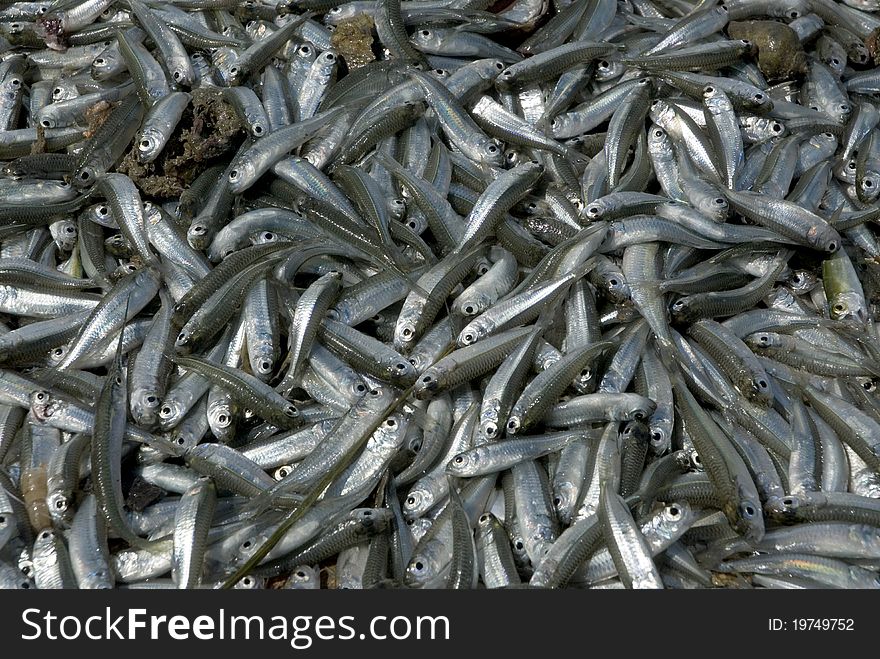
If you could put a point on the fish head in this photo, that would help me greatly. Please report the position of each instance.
(241, 174)
(749, 520)
(464, 463)
(472, 304)
(144, 406)
(419, 500)
(848, 306)
(149, 144)
(425, 568)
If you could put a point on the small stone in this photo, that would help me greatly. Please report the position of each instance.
(353, 40)
(780, 54)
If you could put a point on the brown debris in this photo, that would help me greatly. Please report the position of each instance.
(208, 129)
(96, 116)
(39, 145)
(353, 40)
(780, 54)
(872, 43)
(731, 580)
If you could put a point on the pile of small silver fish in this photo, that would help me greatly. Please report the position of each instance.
(556, 294)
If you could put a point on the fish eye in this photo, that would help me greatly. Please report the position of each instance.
(458, 459)
(775, 127)
(748, 510)
(499, 65)
(426, 33)
(674, 511)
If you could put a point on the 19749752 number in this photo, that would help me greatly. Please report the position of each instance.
(811, 624)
